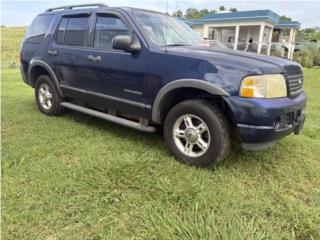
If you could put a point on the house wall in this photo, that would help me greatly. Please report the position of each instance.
(198, 29)
(225, 33)
(253, 33)
(234, 24)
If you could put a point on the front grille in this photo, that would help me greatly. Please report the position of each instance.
(295, 83)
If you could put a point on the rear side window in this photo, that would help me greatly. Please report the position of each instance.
(38, 29)
(61, 30)
(72, 31)
(108, 27)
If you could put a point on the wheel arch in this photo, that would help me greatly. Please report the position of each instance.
(39, 67)
(197, 85)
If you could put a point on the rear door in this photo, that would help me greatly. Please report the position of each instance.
(68, 52)
(121, 76)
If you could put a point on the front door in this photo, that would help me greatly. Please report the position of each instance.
(121, 76)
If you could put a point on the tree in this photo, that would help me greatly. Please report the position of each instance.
(315, 37)
(192, 13)
(204, 11)
(308, 35)
(309, 30)
(213, 11)
(285, 18)
(233, 10)
(178, 13)
(222, 8)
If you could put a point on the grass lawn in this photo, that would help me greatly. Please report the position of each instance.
(78, 177)
(10, 44)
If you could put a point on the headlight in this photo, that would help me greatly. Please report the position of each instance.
(264, 86)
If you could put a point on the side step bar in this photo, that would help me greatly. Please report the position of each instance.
(108, 117)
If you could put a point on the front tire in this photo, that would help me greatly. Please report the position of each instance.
(47, 96)
(197, 133)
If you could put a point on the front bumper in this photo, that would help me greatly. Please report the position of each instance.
(261, 122)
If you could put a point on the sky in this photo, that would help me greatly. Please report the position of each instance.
(21, 12)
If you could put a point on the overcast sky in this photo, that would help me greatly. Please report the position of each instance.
(21, 13)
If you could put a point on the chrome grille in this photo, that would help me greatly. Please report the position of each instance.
(295, 83)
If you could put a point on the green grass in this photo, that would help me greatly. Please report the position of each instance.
(10, 44)
(78, 177)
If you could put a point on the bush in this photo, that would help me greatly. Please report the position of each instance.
(309, 55)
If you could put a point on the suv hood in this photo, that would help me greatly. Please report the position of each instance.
(248, 63)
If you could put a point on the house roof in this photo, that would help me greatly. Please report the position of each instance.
(266, 15)
(245, 16)
(192, 22)
(287, 24)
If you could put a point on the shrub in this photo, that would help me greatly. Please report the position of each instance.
(309, 55)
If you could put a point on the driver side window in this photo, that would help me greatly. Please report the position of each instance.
(107, 27)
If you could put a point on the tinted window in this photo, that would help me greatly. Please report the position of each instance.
(61, 30)
(38, 29)
(72, 31)
(107, 27)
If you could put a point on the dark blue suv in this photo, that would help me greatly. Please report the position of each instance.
(142, 68)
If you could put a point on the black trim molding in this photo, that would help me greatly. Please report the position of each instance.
(112, 98)
(182, 83)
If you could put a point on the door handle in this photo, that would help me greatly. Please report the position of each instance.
(94, 58)
(53, 52)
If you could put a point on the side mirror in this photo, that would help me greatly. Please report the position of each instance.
(126, 43)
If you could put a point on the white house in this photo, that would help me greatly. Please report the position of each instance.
(258, 31)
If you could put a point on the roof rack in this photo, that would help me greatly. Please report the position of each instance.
(77, 6)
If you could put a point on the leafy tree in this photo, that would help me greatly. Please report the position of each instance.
(192, 13)
(309, 35)
(213, 11)
(222, 8)
(309, 30)
(178, 13)
(233, 10)
(204, 11)
(315, 37)
(285, 18)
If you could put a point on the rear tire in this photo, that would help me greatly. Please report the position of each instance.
(47, 96)
(197, 133)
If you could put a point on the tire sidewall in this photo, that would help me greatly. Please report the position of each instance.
(204, 111)
(55, 108)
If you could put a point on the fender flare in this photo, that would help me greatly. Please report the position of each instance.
(183, 83)
(36, 63)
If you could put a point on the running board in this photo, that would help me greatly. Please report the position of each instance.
(108, 117)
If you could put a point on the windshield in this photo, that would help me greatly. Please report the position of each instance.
(165, 30)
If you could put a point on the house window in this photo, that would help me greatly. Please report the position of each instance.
(230, 39)
(211, 35)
